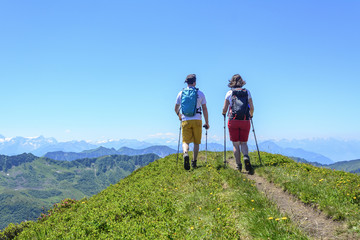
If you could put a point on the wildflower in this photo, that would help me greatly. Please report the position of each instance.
(176, 188)
(321, 180)
(192, 228)
(270, 218)
(82, 202)
(277, 219)
(252, 209)
(252, 200)
(354, 197)
(284, 218)
(218, 209)
(199, 208)
(164, 189)
(211, 193)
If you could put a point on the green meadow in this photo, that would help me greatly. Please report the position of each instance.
(163, 201)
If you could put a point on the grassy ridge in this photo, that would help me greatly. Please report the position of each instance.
(162, 201)
(337, 193)
(28, 183)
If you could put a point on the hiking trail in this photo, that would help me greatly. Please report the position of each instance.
(310, 220)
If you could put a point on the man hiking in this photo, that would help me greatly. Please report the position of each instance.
(189, 106)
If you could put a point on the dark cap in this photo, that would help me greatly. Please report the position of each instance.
(190, 79)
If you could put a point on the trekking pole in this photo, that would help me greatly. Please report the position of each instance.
(224, 140)
(206, 144)
(177, 155)
(252, 124)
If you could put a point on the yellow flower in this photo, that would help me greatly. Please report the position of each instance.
(270, 218)
(218, 209)
(192, 228)
(277, 219)
(284, 218)
(176, 188)
(253, 209)
(82, 202)
(199, 208)
(354, 197)
(211, 193)
(252, 200)
(164, 189)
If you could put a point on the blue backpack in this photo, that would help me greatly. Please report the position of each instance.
(189, 101)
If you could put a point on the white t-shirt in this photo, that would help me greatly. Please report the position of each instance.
(229, 94)
(201, 100)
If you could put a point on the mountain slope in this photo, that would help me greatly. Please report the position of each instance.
(335, 193)
(92, 153)
(162, 201)
(161, 151)
(271, 147)
(28, 183)
(348, 166)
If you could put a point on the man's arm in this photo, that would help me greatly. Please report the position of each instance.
(206, 115)
(177, 111)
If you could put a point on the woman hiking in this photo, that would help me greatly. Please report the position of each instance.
(239, 106)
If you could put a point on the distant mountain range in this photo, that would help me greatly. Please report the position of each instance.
(334, 149)
(161, 151)
(39, 146)
(272, 147)
(324, 151)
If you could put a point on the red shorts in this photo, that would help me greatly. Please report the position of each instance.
(239, 130)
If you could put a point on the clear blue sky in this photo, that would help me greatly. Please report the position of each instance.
(95, 70)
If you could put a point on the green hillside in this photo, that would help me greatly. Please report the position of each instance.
(28, 183)
(336, 193)
(348, 166)
(163, 201)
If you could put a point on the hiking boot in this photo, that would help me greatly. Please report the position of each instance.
(193, 164)
(251, 171)
(239, 167)
(186, 162)
(248, 166)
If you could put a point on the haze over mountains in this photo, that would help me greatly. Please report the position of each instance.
(324, 151)
(161, 151)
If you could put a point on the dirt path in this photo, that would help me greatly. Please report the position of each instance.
(313, 222)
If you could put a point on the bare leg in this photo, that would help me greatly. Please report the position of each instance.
(185, 147)
(237, 152)
(196, 151)
(244, 148)
(186, 156)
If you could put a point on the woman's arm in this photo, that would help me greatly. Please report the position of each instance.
(251, 107)
(226, 106)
